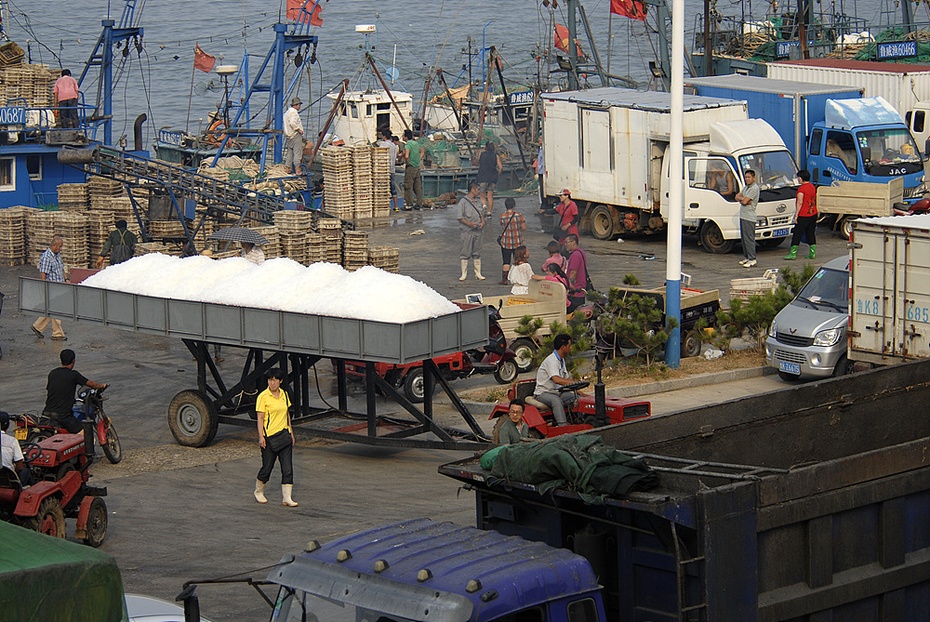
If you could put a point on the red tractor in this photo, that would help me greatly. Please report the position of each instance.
(583, 415)
(60, 469)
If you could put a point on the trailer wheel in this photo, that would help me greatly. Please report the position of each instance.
(602, 223)
(50, 519)
(844, 226)
(97, 520)
(414, 385)
(506, 372)
(691, 344)
(192, 419)
(712, 239)
(525, 350)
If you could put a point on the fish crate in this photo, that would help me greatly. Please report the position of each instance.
(12, 236)
(270, 232)
(385, 257)
(73, 197)
(166, 229)
(755, 286)
(293, 245)
(11, 54)
(293, 220)
(144, 248)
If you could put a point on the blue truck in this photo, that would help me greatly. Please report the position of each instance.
(799, 505)
(831, 130)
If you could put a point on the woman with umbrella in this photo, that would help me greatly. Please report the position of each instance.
(250, 241)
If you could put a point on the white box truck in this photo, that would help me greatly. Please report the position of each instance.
(889, 311)
(609, 146)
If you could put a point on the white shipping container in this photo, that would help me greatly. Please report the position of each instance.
(890, 292)
(902, 85)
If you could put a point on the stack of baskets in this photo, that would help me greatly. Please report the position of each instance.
(273, 247)
(73, 229)
(339, 191)
(73, 198)
(381, 180)
(34, 83)
(40, 227)
(99, 226)
(355, 250)
(385, 257)
(315, 250)
(361, 181)
(12, 239)
(331, 230)
(293, 228)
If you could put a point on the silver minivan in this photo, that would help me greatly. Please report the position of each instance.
(807, 339)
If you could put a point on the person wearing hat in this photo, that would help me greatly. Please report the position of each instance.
(293, 137)
(120, 245)
(568, 216)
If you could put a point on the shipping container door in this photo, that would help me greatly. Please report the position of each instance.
(597, 156)
(872, 304)
(912, 296)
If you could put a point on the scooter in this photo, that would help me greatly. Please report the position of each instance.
(89, 407)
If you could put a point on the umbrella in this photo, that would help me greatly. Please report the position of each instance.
(239, 234)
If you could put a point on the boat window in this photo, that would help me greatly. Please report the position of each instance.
(384, 106)
(7, 174)
(353, 111)
(34, 166)
(584, 610)
(368, 110)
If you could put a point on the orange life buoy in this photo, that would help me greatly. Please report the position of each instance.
(216, 133)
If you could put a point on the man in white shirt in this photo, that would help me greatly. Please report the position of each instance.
(12, 454)
(552, 374)
(293, 137)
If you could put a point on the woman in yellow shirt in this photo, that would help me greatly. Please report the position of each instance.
(275, 437)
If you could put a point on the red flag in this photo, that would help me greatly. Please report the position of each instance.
(634, 9)
(297, 11)
(561, 40)
(203, 61)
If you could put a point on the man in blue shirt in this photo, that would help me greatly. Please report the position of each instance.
(52, 269)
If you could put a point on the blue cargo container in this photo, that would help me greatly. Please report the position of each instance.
(780, 102)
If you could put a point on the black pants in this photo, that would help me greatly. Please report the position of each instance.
(284, 458)
(74, 426)
(805, 225)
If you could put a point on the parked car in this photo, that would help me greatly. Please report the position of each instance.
(807, 339)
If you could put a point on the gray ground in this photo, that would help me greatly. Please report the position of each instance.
(178, 514)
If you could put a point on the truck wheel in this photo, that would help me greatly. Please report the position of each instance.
(712, 239)
(97, 519)
(414, 385)
(50, 520)
(192, 419)
(525, 350)
(506, 372)
(691, 344)
(844, 227)
(602, 223)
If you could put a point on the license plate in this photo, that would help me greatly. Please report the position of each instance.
(781, 233)
(21, 434)
(789, 368)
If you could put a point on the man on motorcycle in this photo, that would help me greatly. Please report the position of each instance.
(552, 374)
(59, 402)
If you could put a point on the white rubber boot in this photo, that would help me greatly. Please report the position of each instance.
(286, 495)
(464, 270)
(478, 275)
(260, 491)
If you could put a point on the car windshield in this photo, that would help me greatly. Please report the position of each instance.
(890, 146)
(827, 288)
(774, 169)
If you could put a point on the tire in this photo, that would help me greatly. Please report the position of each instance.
(112, 449)
(691, 344)
(844, 227)
(788, 377)
(843, 367)
(50, 519)
(712, 239)
(506, 372)
(771, 242)
(97, 521)
(38, 437)
(602, 223)
(525, 350)
(192, 419)
(414, 385)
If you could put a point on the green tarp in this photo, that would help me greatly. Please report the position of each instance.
(52, 580)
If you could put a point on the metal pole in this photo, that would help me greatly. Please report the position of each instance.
(572, 46)
(676, 188)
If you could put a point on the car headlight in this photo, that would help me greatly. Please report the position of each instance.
(830, 337)
(773, 331)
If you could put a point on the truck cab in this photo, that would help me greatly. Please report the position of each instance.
(714, 174)
(865, 140)
(423, 570)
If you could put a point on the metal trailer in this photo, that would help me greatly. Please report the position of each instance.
(805, 504)
(294, 342)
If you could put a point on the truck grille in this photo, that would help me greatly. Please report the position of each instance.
(790, 357)
(794, 340)
(916, 191)
(778, 221)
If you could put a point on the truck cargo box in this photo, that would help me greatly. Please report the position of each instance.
(809, 503)
(890, 300)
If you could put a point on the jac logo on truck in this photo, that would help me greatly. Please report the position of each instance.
(782, 208)
(897, 171)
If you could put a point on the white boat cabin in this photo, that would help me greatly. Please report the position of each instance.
(363, 114)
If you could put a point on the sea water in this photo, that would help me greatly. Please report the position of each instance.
(411, 37)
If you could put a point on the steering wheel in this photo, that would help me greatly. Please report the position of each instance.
(31, 451)
(575, 386)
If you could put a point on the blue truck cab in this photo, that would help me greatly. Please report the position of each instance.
(424, 570)
(864, 140)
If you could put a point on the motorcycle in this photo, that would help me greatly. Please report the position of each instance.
(89, 407)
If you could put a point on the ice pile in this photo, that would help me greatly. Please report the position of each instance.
(280, 284)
